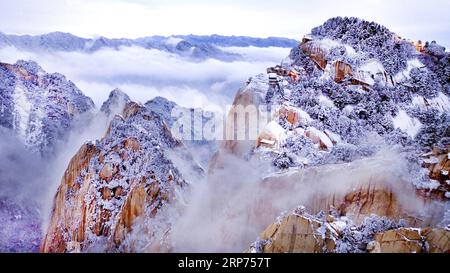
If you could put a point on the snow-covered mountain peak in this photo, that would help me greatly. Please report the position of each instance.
(115, 103)
(30, 66)
(134, 171)
(39, 107)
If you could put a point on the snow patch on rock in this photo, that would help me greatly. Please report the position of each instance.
(407, 124)
(410, 65)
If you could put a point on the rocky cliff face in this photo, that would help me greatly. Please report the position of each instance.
(39, 107)
(112, 181)
(356, 95)
(300, 232)
(438, 164)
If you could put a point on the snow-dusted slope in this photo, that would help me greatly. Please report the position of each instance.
(39, 107)
(135, 170)
(201, 148)
(411, 111)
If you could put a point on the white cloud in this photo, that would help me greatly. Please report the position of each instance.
(256, 54)
(144, 74)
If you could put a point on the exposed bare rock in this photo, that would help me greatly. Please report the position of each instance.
(402, 240)
(294, 116)
(438, 240)
(235, 142)
(315, 52)
(131, 108)
(294, 234)
(438, 163)
(362, 202)
(134, 207)
(106, 172)
(305, 233)
(250, 96)
(266, 140)
(63, 214)
(356, 191)
(319, 138)
(132, 143)
(343, 70)
(409, 240)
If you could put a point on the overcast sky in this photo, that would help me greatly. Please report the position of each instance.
(414, 19)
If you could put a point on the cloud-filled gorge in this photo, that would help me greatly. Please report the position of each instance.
(146, 73)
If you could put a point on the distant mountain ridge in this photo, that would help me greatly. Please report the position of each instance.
(193, 46)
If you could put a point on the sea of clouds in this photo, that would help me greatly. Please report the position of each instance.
(146, 73)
